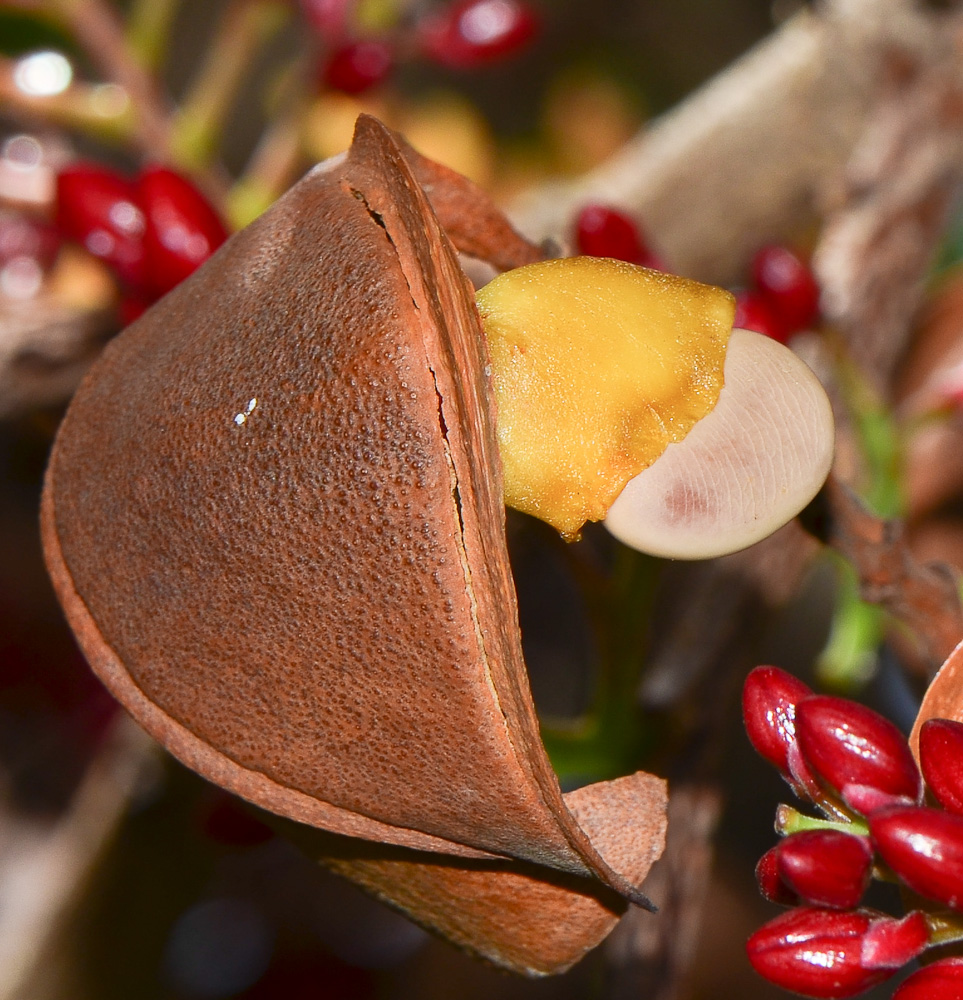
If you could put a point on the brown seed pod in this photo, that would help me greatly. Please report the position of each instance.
(274, 517)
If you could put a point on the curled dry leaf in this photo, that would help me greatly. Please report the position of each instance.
(274, 517)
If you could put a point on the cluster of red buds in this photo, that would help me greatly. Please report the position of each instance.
(152, 230)
(783, 297)
(856, 768)
(463, 35)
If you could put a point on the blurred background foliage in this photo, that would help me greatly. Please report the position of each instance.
(121, 874)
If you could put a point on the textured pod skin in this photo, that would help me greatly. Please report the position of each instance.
(274, 517)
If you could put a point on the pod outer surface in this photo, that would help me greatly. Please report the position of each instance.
(519, 916)
(273, 515)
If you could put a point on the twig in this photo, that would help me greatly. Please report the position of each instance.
(273, 167)
(923, 598)
(99, 109)
(148, 30)
(649, 957)
(243, 29)
(279, 156)
(879, 240)
(99, 31)
(43, 866)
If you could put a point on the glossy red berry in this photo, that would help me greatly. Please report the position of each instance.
(356, 67)
(787, 285)
(832, 953)
(769, 699)
(471, 33)
(941, 761)
(942, 980)
(826, 867)
(925, 848)
(848, 744)
(753, 312)
(24, 236)
(101, 209)
(770, 884)
(329, 18)
(605, 232)
(182, 228)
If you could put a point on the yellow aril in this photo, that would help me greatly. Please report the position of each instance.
(597, 366)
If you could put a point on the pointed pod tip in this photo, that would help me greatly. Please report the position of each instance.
(639, 898)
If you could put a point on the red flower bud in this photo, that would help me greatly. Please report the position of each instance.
(820, 953)
(925, 848)
(890, 944)
(787, 285)
(943, 980)
(825, 867)
(846, 743)
(358, 66)
(472, 33)
(867, 800)
(769, 699)
(183, 229)
(101, 209)
(753, 312)
(770, 884)
(941, 761)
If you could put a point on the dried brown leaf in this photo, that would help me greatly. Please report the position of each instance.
(923, 597)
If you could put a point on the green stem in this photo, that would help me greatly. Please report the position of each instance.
(790, 820)
(148, 30)
(944, 929)
(849, 657)
(880, 443)
(279, 155)
(99, 31)
(609, 741)
(245, 27)
(100, 109)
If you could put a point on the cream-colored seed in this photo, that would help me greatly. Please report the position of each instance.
(744, 470)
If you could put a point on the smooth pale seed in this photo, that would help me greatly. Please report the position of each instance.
(744, 470)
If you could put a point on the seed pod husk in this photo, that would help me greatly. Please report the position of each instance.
(273, 515)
